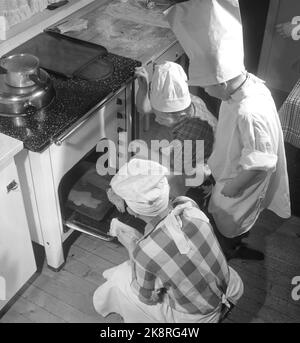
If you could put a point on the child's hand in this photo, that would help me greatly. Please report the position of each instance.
(230, 191)
(142, 76)
(127, 239)
(116, 200)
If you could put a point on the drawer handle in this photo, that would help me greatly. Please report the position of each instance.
(12, 186)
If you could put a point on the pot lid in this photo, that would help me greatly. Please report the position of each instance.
(20, 63)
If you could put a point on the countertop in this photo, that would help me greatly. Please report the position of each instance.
(127, 28)
(129, 44)
(9, 147)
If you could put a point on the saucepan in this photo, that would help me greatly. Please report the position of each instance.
(21, 70)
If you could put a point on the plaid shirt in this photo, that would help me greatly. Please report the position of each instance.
(191, 283)
(289, 115)
(200, 126)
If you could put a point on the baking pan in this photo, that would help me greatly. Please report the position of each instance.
(61, 54)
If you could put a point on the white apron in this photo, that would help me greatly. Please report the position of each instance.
(249, 136)
(117, 296)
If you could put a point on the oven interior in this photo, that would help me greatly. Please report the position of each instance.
(83, 202)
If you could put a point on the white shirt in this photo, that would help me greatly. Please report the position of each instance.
(249, 137)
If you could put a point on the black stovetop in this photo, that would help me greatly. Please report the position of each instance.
(74, 98)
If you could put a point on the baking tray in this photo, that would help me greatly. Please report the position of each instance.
(61, 54)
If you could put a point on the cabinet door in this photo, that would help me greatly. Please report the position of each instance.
(17, 262)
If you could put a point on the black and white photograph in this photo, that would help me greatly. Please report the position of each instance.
(149, 165)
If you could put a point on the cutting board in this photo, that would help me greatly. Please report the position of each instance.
(128, 29)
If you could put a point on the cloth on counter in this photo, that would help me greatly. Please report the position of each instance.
(289, 115)
(75, 24)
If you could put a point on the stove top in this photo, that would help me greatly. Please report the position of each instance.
(74, 98)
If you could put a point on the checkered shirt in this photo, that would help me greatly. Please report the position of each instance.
(191, 283)
(289, 115)
(199, 127)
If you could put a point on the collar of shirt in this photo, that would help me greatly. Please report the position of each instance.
(246, 88)
(153, 223)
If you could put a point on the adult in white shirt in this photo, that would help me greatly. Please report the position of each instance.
(248, 161)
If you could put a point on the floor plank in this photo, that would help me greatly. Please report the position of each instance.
(34, 313)
(67, 296)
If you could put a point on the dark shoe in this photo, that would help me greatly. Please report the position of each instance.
(245, 253)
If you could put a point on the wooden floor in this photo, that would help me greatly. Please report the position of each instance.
(66, 296)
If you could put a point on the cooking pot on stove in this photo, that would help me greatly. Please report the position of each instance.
(16, 101)
(21, 70)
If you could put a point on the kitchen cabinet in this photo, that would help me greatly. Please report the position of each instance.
(17, 262)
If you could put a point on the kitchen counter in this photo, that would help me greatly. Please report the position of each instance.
(9, 147)
(127, 28)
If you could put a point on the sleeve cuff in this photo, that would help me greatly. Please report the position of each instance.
(258, 160)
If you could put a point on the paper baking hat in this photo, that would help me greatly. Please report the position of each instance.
(210, 32)
(169, 89)
(143, 185)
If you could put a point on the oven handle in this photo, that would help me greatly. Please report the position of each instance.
(60, 139)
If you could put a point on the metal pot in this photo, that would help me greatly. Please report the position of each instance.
(16, 101)
(21, 70)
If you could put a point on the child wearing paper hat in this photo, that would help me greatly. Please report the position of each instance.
(167, 96)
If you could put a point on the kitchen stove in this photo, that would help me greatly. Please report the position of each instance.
(59, 138)
(74, 98)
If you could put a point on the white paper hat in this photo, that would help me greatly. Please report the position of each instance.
(169, 89)
(210, 32)
(143, 185)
